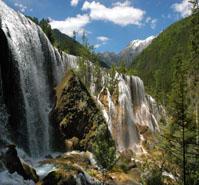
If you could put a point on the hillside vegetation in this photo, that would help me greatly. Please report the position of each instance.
(68, 44)
(169, 68)
(156, 64)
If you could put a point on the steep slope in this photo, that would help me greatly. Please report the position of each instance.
(66, 43)
(156, 64)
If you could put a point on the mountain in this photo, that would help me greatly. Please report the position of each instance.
(134, 48)
(78, 123)
(128, 54)
(109, 57)
(66, 43)
(156, 64)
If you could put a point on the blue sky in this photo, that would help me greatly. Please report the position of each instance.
(110, 24)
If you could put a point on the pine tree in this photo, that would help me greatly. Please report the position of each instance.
(179, 106)
(193, 99)
(174, 134)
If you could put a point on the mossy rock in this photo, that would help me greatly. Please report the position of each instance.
(75, 114)
(58, 177)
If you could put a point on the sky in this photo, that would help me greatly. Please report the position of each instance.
(109, 24)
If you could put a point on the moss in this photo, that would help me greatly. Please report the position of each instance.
(75, 114)
(59, 177)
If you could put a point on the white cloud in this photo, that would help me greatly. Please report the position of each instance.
(125, 3)
(21, 7)
(183, 8)
(74, 2)
(102, 38)
(97, 46)
(148, 19)
(152, 22)
(71, 24)
(122, 14)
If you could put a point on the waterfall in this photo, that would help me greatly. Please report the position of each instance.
(40, 68)
(32, 69)
(129, 112)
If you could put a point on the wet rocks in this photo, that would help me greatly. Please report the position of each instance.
(14, 164)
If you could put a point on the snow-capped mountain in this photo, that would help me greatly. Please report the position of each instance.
(133, 49)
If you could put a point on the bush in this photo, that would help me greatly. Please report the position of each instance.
(104, 147)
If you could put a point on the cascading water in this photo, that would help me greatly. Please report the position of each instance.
(128, 111)
(40, 68)
(126, 125)
(35, 68)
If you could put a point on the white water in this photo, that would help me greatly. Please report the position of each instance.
(13, 179)
(44, 170)
(42, 67)
(129, 110)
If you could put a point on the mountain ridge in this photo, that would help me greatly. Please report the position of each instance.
(128, 54)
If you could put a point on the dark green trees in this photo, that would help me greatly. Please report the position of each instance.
(45, 26)
(179, 111)
(180, 135)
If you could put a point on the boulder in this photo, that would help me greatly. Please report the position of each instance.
(14, 164)
(30, 172)
(57, 177)
(71, 144)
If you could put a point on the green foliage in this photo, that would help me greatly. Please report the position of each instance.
(154, 178)
(82, 69)
(180, 135)
(45, 26)
(104, 148)
(169, 68)
(34, 19)
(122, 67)
(112, 82)
(66, 43)
(195, 6)
(87, 51)
(155, 65)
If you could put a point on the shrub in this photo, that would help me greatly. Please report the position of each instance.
(104, 147)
